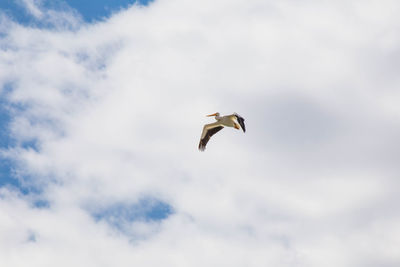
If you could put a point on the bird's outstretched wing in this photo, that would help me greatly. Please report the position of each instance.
(208, 131)
(240, 120)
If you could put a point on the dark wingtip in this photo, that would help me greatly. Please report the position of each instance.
(241, 122)
(202, 147)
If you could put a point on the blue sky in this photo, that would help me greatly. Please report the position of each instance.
(90, 10)
(6, 141)
(102, 107)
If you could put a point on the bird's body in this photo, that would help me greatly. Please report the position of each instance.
(233, 120)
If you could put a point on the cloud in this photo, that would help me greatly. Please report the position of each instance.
(105, 115)
(44, 14)
(33, 7)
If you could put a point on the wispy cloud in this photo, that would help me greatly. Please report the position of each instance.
(33, 7)
(107, 114)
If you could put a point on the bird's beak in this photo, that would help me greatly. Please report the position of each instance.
(215, 114)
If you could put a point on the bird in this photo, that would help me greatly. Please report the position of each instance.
(234, 120)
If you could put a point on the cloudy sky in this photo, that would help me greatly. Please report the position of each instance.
(102, 106)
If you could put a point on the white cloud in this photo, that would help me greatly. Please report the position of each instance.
(32, 7)
(116, 109)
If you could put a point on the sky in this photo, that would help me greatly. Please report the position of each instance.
(102, 104)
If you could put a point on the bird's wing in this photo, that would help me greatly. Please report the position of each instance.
(208, 131)
(240, 120)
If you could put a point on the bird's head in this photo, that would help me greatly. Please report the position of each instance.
(215, 114)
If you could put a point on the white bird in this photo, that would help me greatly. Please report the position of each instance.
(233, 120)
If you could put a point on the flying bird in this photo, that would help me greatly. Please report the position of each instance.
(233, 120)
